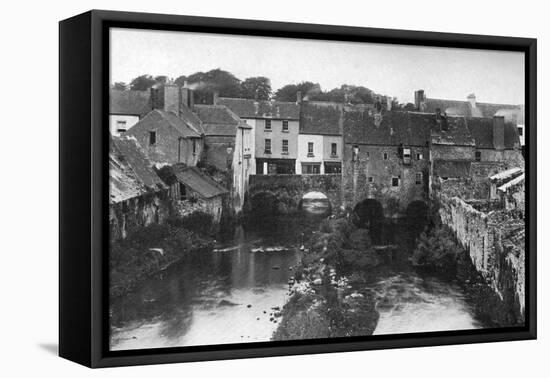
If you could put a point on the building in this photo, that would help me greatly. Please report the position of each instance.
(229, 147)
(170, 133)
(137, 195)
(275, 128)
(496, 141)
(126, 108)
(193, 191)
(386, 158)
(320, 140)
(471, 108)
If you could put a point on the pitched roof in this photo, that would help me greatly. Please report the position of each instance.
(130, 171)
(464, 108)
(219, 120)
(324, 119)
(454, 133)
(198, 182)
(248, 108)
(129, 102)
(482, 131)
(388, 128)
(136, 159)
(451, 168)
(159, 118)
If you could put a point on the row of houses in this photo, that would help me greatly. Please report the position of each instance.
(375, 147)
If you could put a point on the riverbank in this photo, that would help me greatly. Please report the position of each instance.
(439, 252)
(152, 249)
(323, 300)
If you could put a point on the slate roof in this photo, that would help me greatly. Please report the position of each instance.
(218, 120)
(464, 109)
(248, 108)
(395, 128)
(324, 119)
(198, 182)
(456, 133)
(129, 102)
(482, 131)
(130, 171)
(159, 118)
(451, 168)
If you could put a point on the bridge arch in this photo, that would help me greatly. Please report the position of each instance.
(315, 203)
(263, 204)
(417, 211)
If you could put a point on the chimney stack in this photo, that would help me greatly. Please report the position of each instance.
(187, 98)
(171, 94)
(215, 96)
(389, 101)
(472, 100)
(498, 133)
(299, 97)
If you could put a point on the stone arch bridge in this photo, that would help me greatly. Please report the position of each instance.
(286, 191)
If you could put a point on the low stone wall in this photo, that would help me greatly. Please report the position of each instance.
(496, 244)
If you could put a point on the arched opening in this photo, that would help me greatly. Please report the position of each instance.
(417, 212)
(415, 221)
(369, 214)
(263, 205)
(315, 203)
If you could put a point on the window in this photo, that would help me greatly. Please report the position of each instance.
(268, 124)
(333, 167)
(520, 131)
(406, 156)
(370, 179)
(333, 150)
(478, 155)
(367, 154)
(267, 148)
(152, 138)
(194, 147)
(310, 149)
(418, 178)
(311, 169)
(395, 181)
(285, 146)
(121, 126)
(285, 126)
(355, 153)
(419, 156)
(385, 156)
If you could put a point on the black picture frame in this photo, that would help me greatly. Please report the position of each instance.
(83, 228)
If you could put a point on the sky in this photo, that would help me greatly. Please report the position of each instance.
(392, 70)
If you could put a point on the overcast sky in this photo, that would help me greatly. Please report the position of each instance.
(394, 70)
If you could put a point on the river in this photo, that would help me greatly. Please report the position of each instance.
(228, 295)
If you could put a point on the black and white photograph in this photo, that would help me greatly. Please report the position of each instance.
(268, 189)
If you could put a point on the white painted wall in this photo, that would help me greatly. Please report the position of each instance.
(130, 120)
(303, 140)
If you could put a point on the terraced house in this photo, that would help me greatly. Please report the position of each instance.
(126, 108)
(320, 140)
(275, 128)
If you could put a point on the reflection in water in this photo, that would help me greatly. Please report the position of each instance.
(228, 295)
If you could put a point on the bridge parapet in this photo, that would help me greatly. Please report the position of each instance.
(290, 189)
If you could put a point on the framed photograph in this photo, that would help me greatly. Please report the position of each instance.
(236, 188)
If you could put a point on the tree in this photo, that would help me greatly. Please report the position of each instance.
(288, 92)
(216, 80)
(161, 79)
(142, 83)
(180, 80)
(258, 88)
(119, 86)
(409, 107)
